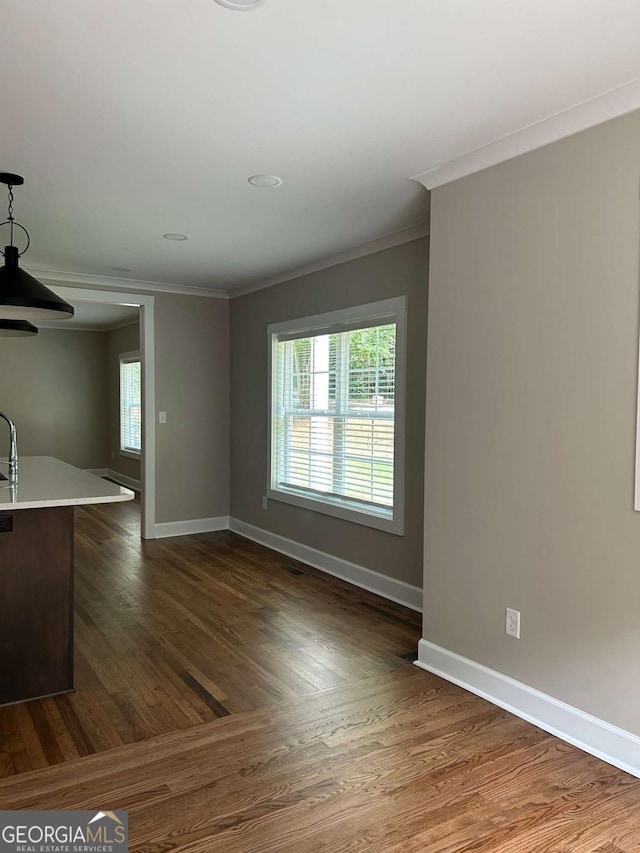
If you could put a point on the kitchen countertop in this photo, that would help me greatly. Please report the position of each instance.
(45, 481)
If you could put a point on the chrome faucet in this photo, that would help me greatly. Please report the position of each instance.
(13, 449)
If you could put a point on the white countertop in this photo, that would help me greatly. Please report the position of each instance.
(45, 481)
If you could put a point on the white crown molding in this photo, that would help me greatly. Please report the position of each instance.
(60, 327)
(387, 241)
(382, 585)
(609, 105)
(591, 734)
(83, 280)
(123, 325)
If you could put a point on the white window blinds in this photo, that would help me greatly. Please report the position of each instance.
(334, 409)
(130, 404)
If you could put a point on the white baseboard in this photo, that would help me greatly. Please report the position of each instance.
(591, 734)
(194, 525)
(123, 480)
(394, 590)
(129, 482)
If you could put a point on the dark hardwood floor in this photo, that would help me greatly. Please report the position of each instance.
(173, 633)
(232, 705)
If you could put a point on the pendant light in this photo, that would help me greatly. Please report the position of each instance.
(22, 297)
(16, 329)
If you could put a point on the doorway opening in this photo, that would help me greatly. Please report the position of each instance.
(128, 320)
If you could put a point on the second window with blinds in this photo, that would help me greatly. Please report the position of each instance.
(130, 405)
(337, 413)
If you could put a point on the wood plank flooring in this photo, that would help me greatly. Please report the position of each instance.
(173, 633)
(232, 706)
(400, 762)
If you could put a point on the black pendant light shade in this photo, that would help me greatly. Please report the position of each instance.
(16, 329)
(22, 297)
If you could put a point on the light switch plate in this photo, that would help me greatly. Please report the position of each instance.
(162, 417)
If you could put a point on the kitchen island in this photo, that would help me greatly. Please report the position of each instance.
(36, 573)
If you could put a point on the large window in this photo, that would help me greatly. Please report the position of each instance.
(130, 405)
(337, 413)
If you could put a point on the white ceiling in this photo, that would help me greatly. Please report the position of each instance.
(133, 119)
(93, 316)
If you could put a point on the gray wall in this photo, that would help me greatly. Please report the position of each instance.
(531, 413)
(393, 272)
(119, 341)
(192, 386)
(54, 387)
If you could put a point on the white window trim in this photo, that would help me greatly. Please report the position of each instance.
(396, 310)
(126, 358)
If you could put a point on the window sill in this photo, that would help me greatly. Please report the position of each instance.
(131, 454)
(344, 510)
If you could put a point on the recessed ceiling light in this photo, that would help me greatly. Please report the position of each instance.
(265, 181)
(240, 5)
(175, 237)
(122, 269)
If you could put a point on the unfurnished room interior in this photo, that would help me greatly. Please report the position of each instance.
(319, 426)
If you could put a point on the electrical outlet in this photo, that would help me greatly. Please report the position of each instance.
(265, 503)
(162, 417)
(512, 623)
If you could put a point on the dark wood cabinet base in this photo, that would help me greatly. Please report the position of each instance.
(36, 591)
